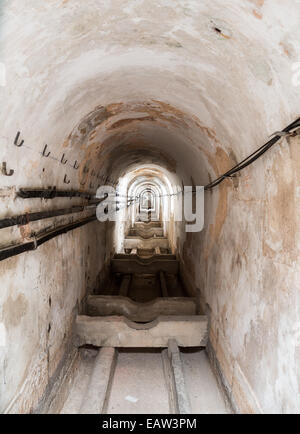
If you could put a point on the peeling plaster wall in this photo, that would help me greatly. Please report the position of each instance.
(41, 292)
(111, 86)
(249, 278)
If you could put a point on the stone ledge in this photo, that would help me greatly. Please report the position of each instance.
(117, 331)
(105, 305)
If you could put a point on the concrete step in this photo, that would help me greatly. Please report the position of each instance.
(143, 259)
(146, 217)
(134, 264)
(141, 243)
(151, 224)
(105, 305)
(118, 331)
(149, 253)
(146, 232)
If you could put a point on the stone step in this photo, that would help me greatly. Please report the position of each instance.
(106, 305)
(141, 243)
(151, 224)
(157, 250)
(144, 260)
(133, 265)
(146, 232)
(118, 331)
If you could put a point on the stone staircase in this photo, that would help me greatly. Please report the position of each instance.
(143, 289)
(138, 330)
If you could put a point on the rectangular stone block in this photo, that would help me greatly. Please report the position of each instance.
(107, 305)
(117, 331)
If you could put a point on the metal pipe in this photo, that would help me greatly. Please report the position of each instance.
(15, 250)
(24, 219)
(51, 193)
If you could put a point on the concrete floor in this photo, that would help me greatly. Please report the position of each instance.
(139, 386)
(202, 388)
(80, 382)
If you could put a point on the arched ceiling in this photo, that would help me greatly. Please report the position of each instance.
(192, 86)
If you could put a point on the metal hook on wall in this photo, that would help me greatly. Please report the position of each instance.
(230, 176)
(17, 139)
(76, 165)
(44, 152)
(65, 180)
(62, 159)
(4, 170)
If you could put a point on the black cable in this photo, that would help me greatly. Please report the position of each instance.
(248, 160)
(252, 157)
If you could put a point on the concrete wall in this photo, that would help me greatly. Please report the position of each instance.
(249, 278)
(112, 86)
(41, 292)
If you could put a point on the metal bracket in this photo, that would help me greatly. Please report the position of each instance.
(230, 176)
(285, 133)
(62, 159)
(295, 133)
(4, 170)
(44, 152)
(17, 139)
(65, 180)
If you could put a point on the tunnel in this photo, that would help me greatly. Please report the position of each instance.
(154, 102)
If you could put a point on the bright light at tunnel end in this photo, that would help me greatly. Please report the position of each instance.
(189, 206)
